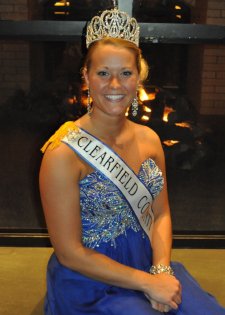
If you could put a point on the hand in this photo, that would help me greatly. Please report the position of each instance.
(165, 292)
(159, 306)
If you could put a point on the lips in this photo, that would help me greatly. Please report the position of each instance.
(114, 97)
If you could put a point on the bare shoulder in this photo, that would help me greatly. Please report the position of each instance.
(146, 134)
(60, 161)
(62, 153)
(149, 143)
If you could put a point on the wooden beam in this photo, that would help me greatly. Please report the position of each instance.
(182, 33)
(150, 32)
(42, 30)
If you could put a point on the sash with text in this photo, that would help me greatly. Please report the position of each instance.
(104, 159)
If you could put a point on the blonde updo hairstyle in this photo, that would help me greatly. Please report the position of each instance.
(142, 65)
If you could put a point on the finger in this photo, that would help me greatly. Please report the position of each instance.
(179, 287)
(166, 308)
(180, 290)
(156, 306)
(173, 305)
(177, 299)
(160, 307)
(147, 296)
(163, 308)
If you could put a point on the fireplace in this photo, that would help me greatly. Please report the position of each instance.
(182, 100)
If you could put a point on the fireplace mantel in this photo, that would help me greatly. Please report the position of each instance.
(155, 33)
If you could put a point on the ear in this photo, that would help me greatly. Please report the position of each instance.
(85, 76)
(139, 85)
(139, 82)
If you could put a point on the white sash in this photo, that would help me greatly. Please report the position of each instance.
(102, 158)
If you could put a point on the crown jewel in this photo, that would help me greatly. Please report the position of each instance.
(113, 23)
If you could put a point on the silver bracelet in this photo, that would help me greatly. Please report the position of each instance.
(155, 270)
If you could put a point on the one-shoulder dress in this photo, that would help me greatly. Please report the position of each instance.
(109, 226)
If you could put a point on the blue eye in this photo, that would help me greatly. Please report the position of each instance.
(102, 73)
(127, 73)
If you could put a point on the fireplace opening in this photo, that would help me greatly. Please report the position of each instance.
(182, 100)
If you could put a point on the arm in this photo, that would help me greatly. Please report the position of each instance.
(162, 232)
(59, 177)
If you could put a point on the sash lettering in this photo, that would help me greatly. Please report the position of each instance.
(101, 157)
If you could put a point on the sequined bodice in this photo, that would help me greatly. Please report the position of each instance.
(105, 212)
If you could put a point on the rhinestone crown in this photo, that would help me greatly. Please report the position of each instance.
(113, 23)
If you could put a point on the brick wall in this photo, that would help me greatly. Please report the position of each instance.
(14, 55)
(13, 9)
(213, 66)
(195, 57)
(199, 11)
(206, 68)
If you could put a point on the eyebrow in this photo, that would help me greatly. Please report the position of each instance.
(123, 68)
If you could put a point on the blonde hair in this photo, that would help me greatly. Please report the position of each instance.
(142, 65)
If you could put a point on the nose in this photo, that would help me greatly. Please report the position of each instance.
(114, 82)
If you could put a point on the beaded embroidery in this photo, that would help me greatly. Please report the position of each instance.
(151, 175)
(104, 211)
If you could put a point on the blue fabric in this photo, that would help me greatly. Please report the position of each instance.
(110, 227)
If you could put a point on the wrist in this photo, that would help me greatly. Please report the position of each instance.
(144, 281)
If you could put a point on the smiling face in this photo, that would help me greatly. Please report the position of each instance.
(112, 79)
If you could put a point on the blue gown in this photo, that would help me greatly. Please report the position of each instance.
(110, 227)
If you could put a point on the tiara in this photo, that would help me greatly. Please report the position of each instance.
(113, 23)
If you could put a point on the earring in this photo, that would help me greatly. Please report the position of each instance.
(89, 107)
(134, 106)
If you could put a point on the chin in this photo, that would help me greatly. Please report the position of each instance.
(118, 111)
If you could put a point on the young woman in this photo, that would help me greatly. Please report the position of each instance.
(102, 180)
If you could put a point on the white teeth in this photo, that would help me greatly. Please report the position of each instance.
(114, 97)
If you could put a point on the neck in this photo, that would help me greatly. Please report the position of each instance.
(107, 127)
